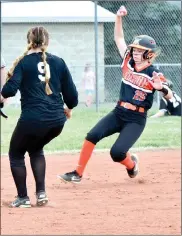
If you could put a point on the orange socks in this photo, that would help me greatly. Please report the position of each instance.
(85, 155)
(128, 162)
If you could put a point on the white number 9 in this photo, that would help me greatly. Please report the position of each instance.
(40, 66)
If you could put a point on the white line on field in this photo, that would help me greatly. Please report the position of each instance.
(107, 150)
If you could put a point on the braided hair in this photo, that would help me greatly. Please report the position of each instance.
(37, 37)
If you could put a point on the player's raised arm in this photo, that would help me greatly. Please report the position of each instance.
(118, 31)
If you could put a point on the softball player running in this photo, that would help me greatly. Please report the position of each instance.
(45, 84)
(140, 80)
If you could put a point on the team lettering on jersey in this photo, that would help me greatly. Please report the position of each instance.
(138, 80)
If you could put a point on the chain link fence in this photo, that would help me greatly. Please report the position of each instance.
(160, 20)
(75, 40)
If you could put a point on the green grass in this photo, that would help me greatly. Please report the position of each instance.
(161, 132)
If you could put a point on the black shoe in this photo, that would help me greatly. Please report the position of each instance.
(21, 202)
(71, 177)
(42, 198)
(133, 172)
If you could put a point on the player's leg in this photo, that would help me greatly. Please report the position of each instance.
(107, 126)
(37, 160)
(119, 151)
(17, 151)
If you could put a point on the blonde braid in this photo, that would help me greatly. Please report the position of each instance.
(15, 63)
(44, 56)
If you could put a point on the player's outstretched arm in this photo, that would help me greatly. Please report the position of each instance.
(118, 31)
(160, 113)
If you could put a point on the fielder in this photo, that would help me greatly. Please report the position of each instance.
(45, 84)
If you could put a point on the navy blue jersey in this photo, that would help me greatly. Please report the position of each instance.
(171, 106)
(29, 78)
(136, 89)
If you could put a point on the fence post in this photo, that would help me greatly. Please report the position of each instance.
(96, 57)
(158, 93)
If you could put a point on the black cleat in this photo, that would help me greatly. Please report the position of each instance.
(42, 198)
(21, 202)
(71, 177)
(133, 172)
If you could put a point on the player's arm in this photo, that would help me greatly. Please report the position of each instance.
(166, 92)
(118, 31)
(3, 76)
(3, 81)
(160, 113)
(68, 89)
(13, 84)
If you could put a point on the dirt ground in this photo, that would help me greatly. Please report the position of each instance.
(107, 201)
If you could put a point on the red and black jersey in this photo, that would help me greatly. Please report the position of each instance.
(135, 87)
(29, 78)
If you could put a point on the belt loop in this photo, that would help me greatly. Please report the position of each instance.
(137, 108)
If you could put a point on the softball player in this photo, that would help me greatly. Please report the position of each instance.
(45, 84)
(169, 107)
(140, 80)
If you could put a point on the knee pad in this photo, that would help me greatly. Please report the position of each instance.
(16, 160)
(92, 137)
(117, 155)
(35, 154)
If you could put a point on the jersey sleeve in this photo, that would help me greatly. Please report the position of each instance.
(13, 84)
(69, 91)
(126, 59)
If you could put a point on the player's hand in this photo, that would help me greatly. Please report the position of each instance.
(122, 11)
(68, 112)
(156, 81)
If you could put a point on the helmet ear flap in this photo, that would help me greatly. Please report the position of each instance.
(146, 55)
(131, 52)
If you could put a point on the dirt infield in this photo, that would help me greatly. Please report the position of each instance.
(107, 201)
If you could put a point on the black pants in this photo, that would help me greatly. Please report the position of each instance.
(30, 138)
(111, 124)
